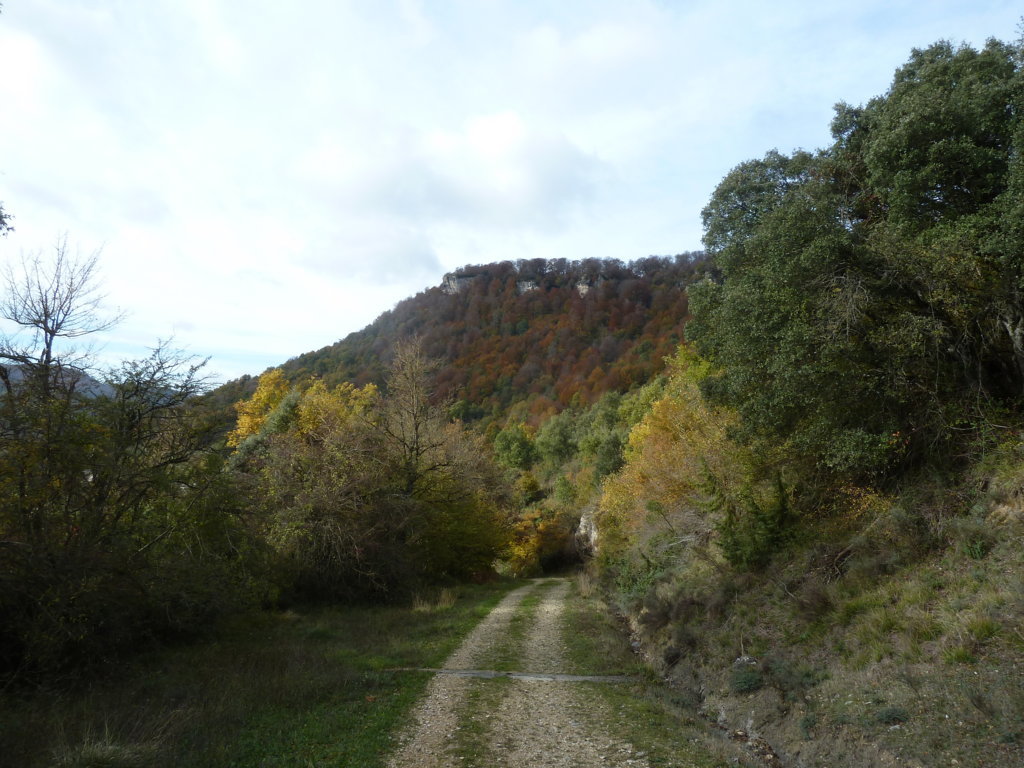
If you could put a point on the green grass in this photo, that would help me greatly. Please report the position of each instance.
(304, 688)
(983, 628)
(597, 644)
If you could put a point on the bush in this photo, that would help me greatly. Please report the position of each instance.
(745, 679)
(791, 678)
(972, 537)
(891, 715)
(750, 531)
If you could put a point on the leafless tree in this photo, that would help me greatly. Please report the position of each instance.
(50, 301)
(102, 484)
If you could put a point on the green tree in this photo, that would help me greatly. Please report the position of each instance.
(867, 304)
(603, 435)
(556, 439)
(513, 446)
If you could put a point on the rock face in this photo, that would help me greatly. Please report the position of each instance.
(585, 537)
(525, 286)
(583, 286)
(454, 283)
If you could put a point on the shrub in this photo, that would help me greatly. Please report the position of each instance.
(790, 678)
(958, 654)
(807, 725)
(751, 531)
(745, 679)
(891, 715)
(972, 537)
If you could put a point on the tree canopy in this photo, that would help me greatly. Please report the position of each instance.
(868, 304)
(364, 492)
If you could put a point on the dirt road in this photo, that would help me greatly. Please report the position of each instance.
(482, 719)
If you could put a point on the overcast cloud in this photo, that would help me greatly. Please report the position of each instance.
(264, 178)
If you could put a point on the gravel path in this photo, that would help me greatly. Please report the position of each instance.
(533, 723)
(427, 743)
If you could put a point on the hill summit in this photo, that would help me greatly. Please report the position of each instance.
(529, 337)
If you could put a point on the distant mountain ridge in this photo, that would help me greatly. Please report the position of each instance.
(530, 337)
(71, 379)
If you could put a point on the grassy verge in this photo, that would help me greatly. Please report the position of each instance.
(662, 724)
(305, 688)
(596, 644)
(900, 636)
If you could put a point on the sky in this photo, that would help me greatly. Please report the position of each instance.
(262, 178)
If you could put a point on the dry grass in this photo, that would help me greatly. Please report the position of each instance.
(441, 601)
(914, 646)
(586, 584)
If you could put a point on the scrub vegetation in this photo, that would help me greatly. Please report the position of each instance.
(817, 530)
(307, 686)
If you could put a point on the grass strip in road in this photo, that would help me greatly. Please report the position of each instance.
(275, 690)
(471, 746)
(506, 656)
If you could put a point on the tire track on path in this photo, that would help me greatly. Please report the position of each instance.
(545, 725)
(427, 743)
(526, 723)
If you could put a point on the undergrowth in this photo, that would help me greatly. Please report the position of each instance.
(902, 625)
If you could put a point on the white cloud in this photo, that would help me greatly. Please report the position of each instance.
(264, 178)
(496, 136)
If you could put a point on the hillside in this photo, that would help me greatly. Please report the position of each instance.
(816, 532)
(540, 333)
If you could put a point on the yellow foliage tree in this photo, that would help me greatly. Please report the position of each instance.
(538, 537)
(366, 493)
(656, 501)
(321, 411)
(253, 412)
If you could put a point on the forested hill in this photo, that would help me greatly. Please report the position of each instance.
(532, 336)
